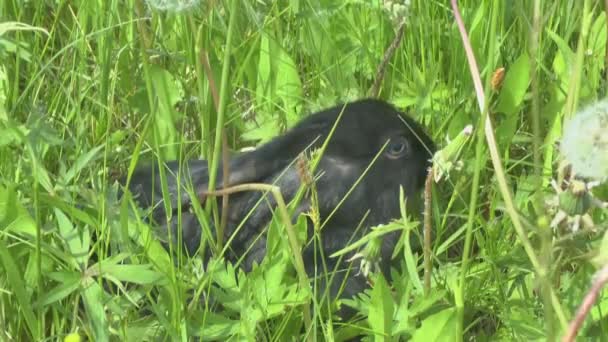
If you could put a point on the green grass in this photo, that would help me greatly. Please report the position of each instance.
(90, 88)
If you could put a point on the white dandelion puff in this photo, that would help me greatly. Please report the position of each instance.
(174, 6)
(585, 141)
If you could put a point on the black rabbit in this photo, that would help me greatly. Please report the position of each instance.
(365, 127)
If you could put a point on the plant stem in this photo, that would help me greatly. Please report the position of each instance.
(217, 145)
(601, 278)
(479, 150)
(543, 229)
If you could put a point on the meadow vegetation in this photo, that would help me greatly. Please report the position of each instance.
(89, 88)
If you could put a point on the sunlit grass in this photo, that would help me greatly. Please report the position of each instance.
(90, 88)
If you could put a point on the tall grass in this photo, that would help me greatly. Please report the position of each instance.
(89, 89)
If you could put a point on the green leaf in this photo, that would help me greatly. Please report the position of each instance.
(564, 49)
(278, 92)
(216, 327)
(441, 326)
(68, 286)
(404, 320)
(17, 26)
(410, 259)
(167, 91)
(601, 258)
(17, 285)
(375, 233)
(13, 216)
(138, 274)
(551, 114)
(423, 303)
(144, 329)
(145, 237)
(380, 316)
(75, 213)
(4, 89)
(11, 132)
(82, 161)
(224, 275)
(78, 242)
(41, 175)
(515, 86)
(524, 323)
(93, 298)
(596, 44)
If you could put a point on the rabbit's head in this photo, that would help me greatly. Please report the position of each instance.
(378, 149)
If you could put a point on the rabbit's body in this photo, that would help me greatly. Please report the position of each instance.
(360, 136)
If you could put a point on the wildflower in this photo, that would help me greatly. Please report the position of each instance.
(397, 10)
(446, 159)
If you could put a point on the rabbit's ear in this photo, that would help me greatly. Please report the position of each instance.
(146, 186)
(193, 175)
(255, 166)
(273, 157)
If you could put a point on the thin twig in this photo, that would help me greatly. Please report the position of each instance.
(601, 278)
(390, 51)
(141, 27)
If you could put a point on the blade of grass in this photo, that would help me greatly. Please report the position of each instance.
(542, 221)
(14, 278)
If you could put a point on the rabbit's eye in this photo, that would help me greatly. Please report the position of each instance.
(398, 147)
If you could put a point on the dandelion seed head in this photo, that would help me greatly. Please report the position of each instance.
(174, 6)
(585, 141)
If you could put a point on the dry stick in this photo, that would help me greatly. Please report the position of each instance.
(291, 234)
(225, 162)
(374, 92)
(145, 33)
(601, 278)
(390, 51)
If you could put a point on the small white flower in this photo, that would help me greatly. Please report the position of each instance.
(397, 9)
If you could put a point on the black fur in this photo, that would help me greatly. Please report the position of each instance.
(364, 128)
